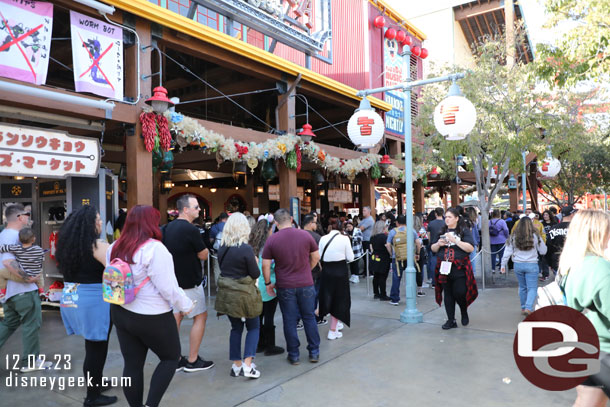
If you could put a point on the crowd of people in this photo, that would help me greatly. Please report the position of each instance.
(260, 263)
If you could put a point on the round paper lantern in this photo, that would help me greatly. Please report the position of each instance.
(550, 167)
(365, 128)
(416, 51)
(424, 53)
(379, 22)
(390, 34)
(400, 36)
(455, 117)
(408, 40)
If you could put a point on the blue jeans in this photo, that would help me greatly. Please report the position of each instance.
(494, 249)
(473, 260)
(295, 303)
(431, 265)
(527, 275)
(237, 327)
(396, 280)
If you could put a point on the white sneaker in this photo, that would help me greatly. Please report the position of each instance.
(339, 326)
(39, 364)
(332, 335)
(250, 371)
(354, 279)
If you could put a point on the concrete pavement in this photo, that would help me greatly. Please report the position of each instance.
(378, 362)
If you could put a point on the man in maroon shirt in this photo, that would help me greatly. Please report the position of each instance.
(295, 254)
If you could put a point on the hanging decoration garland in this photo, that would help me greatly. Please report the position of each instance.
(187, 131)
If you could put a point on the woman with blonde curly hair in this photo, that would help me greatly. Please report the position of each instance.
(238, 296)
(524, 246)
(585, 269)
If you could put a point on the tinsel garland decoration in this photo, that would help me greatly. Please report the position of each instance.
(188, 131)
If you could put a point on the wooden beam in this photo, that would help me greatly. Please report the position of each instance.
(487, 24)
(139, 161)
(219, 56)
(121, 112)
(476, 20)
(477, 10)
(474, 38)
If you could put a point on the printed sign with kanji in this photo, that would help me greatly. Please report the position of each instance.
(25, 40)
(50, 154)
(97, 52)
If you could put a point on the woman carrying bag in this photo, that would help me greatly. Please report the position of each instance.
(335, 297)
(453, 273)
(524, 246)
(238, 296)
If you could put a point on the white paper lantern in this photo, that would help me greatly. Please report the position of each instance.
(550, 167)
(365, 128)
(455, 117)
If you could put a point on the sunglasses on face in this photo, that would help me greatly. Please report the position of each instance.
(25, 214)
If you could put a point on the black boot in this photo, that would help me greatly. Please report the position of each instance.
(271, 348)
(100, 400)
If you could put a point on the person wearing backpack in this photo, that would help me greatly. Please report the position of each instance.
(524, 246)
(498, 234)
(147, 323)
(81, 258)
(396, 245)
(453, 273)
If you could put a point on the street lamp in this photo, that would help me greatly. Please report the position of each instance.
(411, 315)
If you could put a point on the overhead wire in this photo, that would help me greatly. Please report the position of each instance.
(187, 70)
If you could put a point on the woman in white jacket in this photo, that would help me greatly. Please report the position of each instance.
(336, 249)
(524, 245)
(148, 321)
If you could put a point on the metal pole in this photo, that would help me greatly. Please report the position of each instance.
(411, 315)
(523, 183)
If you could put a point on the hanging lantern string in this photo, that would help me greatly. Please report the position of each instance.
(331, 125)
(186, 69)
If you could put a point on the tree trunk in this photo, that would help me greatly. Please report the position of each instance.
(486, 243)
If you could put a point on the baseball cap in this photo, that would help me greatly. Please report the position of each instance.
(568, 210)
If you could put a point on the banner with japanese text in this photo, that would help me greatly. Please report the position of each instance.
(97, 53)
(25, 40)
(51, 154)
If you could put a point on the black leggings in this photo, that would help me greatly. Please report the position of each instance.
(137, 334)
(95, 359)
(455, 291)
(268, 314)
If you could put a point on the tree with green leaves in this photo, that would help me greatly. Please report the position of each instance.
(511, 111)
(583, 50)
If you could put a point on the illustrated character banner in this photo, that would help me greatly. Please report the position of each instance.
(392, 63)
(25, 40)
(97, 53)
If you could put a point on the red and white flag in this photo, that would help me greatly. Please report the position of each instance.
(97, 53)
(25, 40)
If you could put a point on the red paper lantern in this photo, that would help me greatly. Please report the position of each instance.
(390, 34)
(379, 22)
(424, 53)
(416, 51)
(400, 36)
(408, 40)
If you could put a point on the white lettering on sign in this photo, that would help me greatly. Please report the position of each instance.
(36, 152)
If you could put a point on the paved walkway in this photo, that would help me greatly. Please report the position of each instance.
(378, 362)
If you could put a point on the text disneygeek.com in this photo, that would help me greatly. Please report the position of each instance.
(17, 378)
